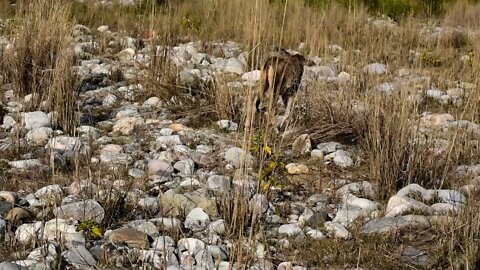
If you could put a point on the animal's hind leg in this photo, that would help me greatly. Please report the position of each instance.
(288, 109)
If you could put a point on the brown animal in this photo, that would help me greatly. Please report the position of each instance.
(281, 75)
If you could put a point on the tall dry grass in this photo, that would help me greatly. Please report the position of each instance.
(42, 59)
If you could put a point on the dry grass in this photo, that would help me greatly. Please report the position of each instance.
(41, 63)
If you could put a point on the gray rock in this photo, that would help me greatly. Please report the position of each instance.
(204, 259)
(394, 224)
(163, 243)
(167, 223)
(49, 194)
(313, 218)
(387, 88)
(227, 125)
(144, 226)
(330, 147)
(234, 65)
(25, 164)
(362, 188)
(197, 220)
(136, 173)
(65, 143)
(217, 226)
(46, 252)
(318, 73)
(218, 184)
(236, 156)
(82, 211)
(415, 256)
(115, 158)
(185, 167)
(346, 215)
(168, 141)
(160, 168)
(259, 204)
(79, 257)
(88, 132)
(11, 266)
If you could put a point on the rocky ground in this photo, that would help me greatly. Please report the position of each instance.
(159, 184)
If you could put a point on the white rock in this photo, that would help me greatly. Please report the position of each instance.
(27, 233)
(316, 154)
(127, 125)
(375, 69)
(57, 227)
(168, 141)
(343, 77)
(364, 188)
(191, 245)
(49, 193)
(234, 65)
(318, 73)
(152, 102)
(65, 143)
(126, 55)
(289, 230)
(35, 120)
(252, 76)
(227, 125)
(341, 158)
(150, 204)
(365, 204)
(217, 226)
(337, 230)
(39, 136)
(400, 205)
(315, 234)
(115, 158)
(190, 182)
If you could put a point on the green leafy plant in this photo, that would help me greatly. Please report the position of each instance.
(273, 169)
(431, 59)
(91, 229)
